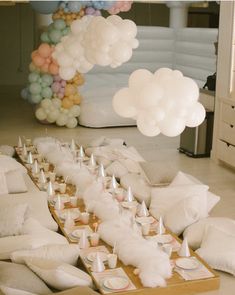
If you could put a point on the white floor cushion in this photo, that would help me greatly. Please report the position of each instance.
(15, 182)
(117, 169)
(185, 213)
(64, 253)
(3, 184)
(13, 291)
(8, 163)
(140, 188)
(12, 218)
(194, 233)
(184, 179)
(21, 277)
(217, 249)
(165, 198)
(57, 274)
(38, 207)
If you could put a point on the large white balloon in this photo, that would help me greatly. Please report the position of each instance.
(165, 102)
(95, 41)
(123, 105)
(40, 114)
(196, 115)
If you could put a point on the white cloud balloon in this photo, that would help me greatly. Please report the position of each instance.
(164, 102)
(95, 41)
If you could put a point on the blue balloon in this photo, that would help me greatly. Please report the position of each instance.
(74, 6)
(24, 93)
(44, 7)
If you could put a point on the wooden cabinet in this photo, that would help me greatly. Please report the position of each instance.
(223, 148)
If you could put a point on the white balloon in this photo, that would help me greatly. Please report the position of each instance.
(53, 116)
(64, 60)
(196, 115)
(128, 29)
(145, 128)
(56, 102)
(71, 123)
(67, 73)
(149, 95)
(171, 126)
(121, 52)
(61, 120)
(123, 105)
(40, 114)
(138, 79)
(75, 110)
(46, 103)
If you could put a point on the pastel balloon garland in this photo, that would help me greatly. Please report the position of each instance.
(69, 47)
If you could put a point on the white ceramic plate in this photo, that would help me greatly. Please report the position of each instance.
(91, 256)
(116, 283)
(163, 239)
(129, 205)
(74, 215)
(78, 232)
(147, 219)
(187, 263)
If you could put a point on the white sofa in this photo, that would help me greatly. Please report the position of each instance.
(190, 50)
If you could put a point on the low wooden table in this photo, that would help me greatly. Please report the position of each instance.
(175, 285)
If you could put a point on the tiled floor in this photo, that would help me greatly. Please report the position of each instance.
(17, 118)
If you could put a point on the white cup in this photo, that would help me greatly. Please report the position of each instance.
(45, 166)
(74, 201)
(85, 217)
(52, 176)
(94, 239)
(112, 260)
(62, 188)
(145, 228)
(28, 141)
(167, 249)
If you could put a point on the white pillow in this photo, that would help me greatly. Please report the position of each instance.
(131, 166)
(29, 241)
(64, 253)
(117, 169)
(3, 184)
(13, 291)
(184, 213)
(8, 163)
(140, 188)
(38, 206)
(57, 274)
(31, 226)
(19, 276)
(165, 198)
(12, 218)
(194, 233)
(184, 179)
(217, 249)
(15, 182)
(7, 150)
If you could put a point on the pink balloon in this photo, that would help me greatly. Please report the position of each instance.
(89, 10)
(97, 13)
(55, 87)
(63, 83)
(57, 78)
(44, 50)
